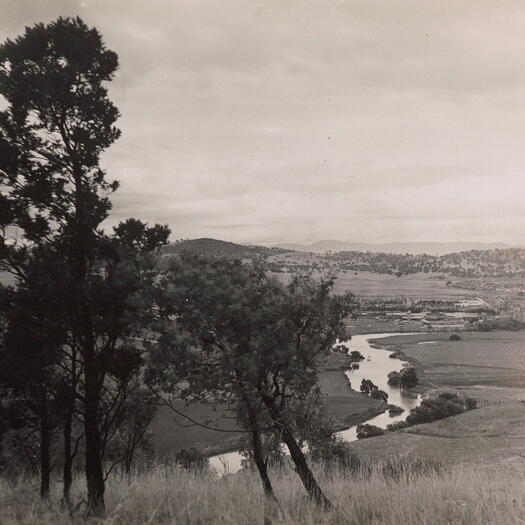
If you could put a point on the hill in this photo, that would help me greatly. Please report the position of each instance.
(413, 248)
(218, 248)
(498, 262)
(509, 262)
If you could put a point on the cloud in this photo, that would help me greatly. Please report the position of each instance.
(263, 120)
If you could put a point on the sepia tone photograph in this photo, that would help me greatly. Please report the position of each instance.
(262, 262)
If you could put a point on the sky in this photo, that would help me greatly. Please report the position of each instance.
(266, 121)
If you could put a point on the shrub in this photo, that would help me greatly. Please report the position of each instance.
(394, 410)
(408, 377)
(365, 431)
(356, 356)
(397, 426)
(434, 409)
(393, 378)
(470, 403)
(379, 394)
(191, 459)
(367, 387)
(455, 337)
(335, 454)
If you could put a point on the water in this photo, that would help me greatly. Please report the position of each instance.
(375, 367)
(376, 370)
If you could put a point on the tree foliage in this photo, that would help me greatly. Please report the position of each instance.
(233, 335)
(55, 196)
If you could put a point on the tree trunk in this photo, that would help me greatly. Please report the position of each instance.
(68, 460)
(310, 483)
(94, 471)
(67, 430)
(308, 479)
(272, 508)
(258, 456)
(45, 450)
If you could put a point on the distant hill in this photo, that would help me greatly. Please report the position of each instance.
(508, 262)
(413, 248)
(218, 248)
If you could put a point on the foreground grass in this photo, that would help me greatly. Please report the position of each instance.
(462, 495)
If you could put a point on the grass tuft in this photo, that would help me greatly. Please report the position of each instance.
(404, 491)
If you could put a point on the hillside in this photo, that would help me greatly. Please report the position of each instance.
(508, 262)
(218, 248)
(499, 262)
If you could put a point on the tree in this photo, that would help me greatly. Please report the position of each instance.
(371, 390)
(367, 387)
(408, 377)
(235, 336)
(30, 355)
(365, 431)
(58, 122)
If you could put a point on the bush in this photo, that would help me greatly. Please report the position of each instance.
(471, 403)
(379, 394)
(444, 405)
(191, 459)
(393, 378)
(335, 454)
(356, 356)
(394, 410)
(408, 377)
(365, 431)
(367, 387)
(397, 426)
(455, 337)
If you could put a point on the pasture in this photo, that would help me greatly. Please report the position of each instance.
(416, 286)
(480, 358)
(489, 367)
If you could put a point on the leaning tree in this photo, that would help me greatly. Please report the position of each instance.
(233, 335)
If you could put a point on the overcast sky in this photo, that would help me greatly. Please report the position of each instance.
(297, 120)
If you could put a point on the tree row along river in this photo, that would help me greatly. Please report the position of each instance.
(375, 367)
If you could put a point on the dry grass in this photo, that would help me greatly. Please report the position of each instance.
(422, 494)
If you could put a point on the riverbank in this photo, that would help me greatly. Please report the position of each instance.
(172, 433)
(488, 367)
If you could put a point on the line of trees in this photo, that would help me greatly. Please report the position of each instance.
(98, 329)
(67, 349)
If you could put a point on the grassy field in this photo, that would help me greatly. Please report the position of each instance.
(405, 495)
(486, 366)
(480, 358)
(172, 433)
(417, 286)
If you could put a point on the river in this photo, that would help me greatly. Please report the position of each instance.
(375, 367)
